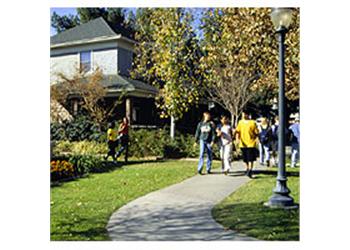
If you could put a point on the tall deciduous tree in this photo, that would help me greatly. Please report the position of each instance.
(240, 56)
(166, 56)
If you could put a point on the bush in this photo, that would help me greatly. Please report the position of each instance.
(80, 148)
(81, 128)
(143, 143)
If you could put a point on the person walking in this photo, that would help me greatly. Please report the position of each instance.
(205, 135)
(111, 141)
(224, 132)
(295, 140)
(123, 138)
(274, 142)
(264, 142)
(247, 133)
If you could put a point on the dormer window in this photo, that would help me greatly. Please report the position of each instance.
(85, 61)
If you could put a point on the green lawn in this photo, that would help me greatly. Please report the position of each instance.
(80, 209)
(243, 210)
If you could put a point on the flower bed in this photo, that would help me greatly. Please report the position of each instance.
(61, 169)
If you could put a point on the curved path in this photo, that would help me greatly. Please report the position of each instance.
(179, 212)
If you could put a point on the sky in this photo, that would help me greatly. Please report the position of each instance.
(67, 11)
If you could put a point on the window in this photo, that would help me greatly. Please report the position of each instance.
(85, 61)
(125, 58)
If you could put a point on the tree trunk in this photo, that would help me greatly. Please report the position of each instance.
(172, 127)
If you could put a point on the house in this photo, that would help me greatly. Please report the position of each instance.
(98, 44)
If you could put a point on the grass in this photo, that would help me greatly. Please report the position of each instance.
(244, 212)
(80, 209)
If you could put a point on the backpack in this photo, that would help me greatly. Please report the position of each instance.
(274, 132)
(264, 135)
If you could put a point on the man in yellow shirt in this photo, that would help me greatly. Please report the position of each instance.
(111, 141)
(247, 133)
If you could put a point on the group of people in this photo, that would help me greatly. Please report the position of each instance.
(116, 138)
(268, 141)
(250, 134)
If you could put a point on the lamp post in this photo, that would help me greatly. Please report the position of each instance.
(281, 18)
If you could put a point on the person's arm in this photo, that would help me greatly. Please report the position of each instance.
(196, 137)
(236, 132)
(231, 132)
(213, 132)
(121, 127)
(256, 130)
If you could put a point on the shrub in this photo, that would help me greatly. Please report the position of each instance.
(81, 128)
(90, 164)
(80, 148)
(143, 143)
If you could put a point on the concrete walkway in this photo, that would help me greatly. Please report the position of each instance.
(179, 212)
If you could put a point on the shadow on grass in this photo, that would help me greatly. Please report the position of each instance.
(259, 221)
(75, 231)
(274, 172)
(133, 162)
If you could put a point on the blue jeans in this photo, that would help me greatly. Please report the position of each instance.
(204, 146)
(264, 153)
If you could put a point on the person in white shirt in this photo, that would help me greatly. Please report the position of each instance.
(224, 132)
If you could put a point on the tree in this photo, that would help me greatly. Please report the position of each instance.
(114, 16)
(240, 56)
(87, 14)
(62, 23)
(89, 89)
(165, 56)
(130, 21)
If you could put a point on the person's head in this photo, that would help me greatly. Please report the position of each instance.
(296, 120)
(206, 116)
(224, 120)
(245, 115)
(276, 119)
(111, 124)
(125, 120)
(263, 121)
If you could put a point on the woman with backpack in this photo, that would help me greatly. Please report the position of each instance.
(264, 142)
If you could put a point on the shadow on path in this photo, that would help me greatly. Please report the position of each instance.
(169, 222)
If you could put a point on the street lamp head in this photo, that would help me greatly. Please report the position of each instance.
(281, 17)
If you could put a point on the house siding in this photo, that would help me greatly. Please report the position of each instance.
(65, 64)
(112, 57)
(106, 60)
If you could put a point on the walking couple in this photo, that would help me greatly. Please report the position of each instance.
(246, 131)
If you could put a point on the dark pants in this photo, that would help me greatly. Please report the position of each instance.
(111, 149)
(124, 142)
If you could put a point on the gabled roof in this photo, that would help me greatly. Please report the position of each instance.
(118, 83)
(97, 28)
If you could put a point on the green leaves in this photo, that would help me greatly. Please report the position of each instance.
(169, 63)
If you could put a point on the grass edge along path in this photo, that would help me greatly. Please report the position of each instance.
(80, 209)
(243, 211)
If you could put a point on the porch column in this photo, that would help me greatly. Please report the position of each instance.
(75, 107)
(128, 109)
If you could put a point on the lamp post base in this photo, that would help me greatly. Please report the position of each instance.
(281, 201)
